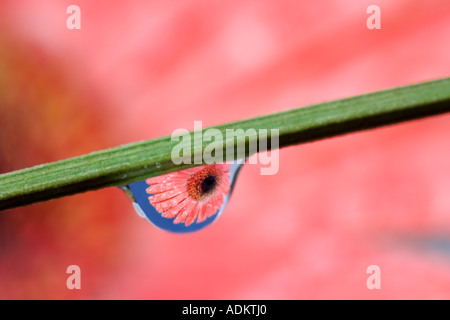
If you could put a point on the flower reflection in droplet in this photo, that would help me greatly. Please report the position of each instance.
(186, 200)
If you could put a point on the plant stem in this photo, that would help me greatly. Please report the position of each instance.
(136, 161)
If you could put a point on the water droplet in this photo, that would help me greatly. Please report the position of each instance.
(187, 200)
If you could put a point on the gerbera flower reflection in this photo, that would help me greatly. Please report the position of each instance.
(186, 200)
(190, 194)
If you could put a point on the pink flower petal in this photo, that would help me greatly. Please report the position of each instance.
(168, 204)
(174, 211)
(161, 197)
(193, 214)
(202, 212)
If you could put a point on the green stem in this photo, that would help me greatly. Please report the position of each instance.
(136, 161)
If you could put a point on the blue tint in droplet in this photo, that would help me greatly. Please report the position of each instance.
(143, 207)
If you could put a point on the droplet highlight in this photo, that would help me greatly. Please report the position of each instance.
(187, 200)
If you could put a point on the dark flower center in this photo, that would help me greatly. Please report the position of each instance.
(208, 184)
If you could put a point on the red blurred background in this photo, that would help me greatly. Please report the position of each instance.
(138, 70)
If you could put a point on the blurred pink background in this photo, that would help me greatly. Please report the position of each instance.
(138, 70)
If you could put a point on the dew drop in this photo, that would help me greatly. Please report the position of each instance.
(139, 194)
